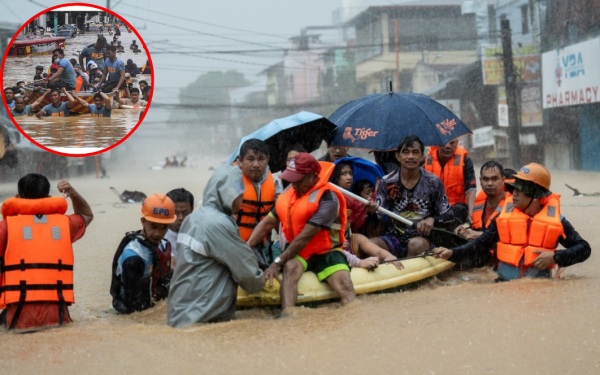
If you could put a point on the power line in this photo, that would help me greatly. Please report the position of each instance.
(38, 4)
(205, 23)
(7, 7)
(198, 32)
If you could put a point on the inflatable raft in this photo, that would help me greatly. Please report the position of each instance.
(385, 277)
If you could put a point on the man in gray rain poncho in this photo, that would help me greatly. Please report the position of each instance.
(212, 260)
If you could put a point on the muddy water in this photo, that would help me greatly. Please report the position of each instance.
(446, 326)
(23, 68)
(79, 131)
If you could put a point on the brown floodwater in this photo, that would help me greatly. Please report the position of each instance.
(445, 326)
(81, 131)
(76, 131)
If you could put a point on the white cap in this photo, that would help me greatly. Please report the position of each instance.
(91, 65)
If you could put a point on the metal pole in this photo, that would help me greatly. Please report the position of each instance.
(397, 37)
(512, 98)
(380, 209)
(55, 22)
(108, 4)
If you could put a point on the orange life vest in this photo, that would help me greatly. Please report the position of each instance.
(452, 174)
(479, 210)
(253, 210)
(294, 212)
(521, 234)
(78, 83)
(38, 263)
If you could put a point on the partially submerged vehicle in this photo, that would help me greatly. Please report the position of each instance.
(31, 45)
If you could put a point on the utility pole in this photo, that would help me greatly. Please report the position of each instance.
(108, 4)
(397, 37)
(512, 98)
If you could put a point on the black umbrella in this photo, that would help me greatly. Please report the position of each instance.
(305, 128)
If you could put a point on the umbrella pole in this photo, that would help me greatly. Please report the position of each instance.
(380, 209)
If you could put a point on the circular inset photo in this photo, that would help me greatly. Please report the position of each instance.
(77, 80)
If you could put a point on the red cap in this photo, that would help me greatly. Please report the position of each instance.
(301, 165)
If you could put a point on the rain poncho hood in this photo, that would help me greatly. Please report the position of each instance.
(212, 259)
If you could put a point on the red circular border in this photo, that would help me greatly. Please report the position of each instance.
(151, 75)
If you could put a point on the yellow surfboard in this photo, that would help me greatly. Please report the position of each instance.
(385, 277)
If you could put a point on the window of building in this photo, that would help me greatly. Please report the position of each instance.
(525, 19)
(369, 39)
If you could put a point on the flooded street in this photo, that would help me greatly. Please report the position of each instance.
(77, 131)
(446, 326)
(80, 130)
(23, 68)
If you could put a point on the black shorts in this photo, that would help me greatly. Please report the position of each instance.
(110, 85)
(325, 265)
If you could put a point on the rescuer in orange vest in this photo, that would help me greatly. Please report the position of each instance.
(83, 79)
(489, 201)
(36, 280)
(313, 218)
(260, 193)
(452, 165)
(527, 231)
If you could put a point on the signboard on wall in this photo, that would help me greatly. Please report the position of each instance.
(570, 75)
(483, 137)
(502, 115)
(531, 105)
(526, 60)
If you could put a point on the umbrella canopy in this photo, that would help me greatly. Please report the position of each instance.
(305, 128)
(380, 121)
(363, 169)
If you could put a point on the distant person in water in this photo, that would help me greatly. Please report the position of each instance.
(39, 73)
(9, 97)
(146, 93)
(57, 108)
(21, 109)
(141, 270)
(146, 68)
(133, 100)
(101, 106)
(143, 85)
(132, 68)
(184, 206)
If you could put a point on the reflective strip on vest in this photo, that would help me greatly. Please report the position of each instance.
(312, 197)
(38, 262)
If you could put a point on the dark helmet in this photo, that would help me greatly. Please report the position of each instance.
(39, 67)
